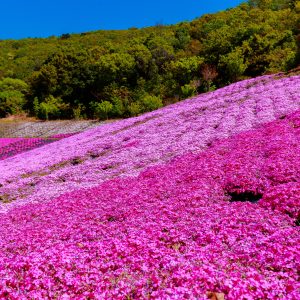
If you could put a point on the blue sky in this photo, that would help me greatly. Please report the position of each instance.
(43, 18)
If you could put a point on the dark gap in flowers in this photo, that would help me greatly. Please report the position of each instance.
(297, 222)
(62, 179)
(5, 198)
(94, 155)
(246, 196)
(76, 161)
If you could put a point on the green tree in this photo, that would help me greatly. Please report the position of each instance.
(13, 84)
(12, 96)
(65, 74)
(149, 103)
(134, 109)
(182, 38)
(115, 67)
(188, 90)
(185, 69)
(11, 103)
(51, 108)
(234, 64)
(119, 106)
(36, 106)
(102, 109)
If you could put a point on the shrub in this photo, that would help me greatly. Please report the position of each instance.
(102, 109)
(11, 103)
(12, 96)
(134, 109)
(51, 108)
(149, 103)
(77, 111)
(118, 106)
(188, 91)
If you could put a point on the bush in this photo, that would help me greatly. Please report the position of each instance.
(149, 103)
(134, 109)
(51, 108)
(11, 103)
(12, 96)
(11, 84)
(188, 90)
(77, 111)
(102, 109)
(234, 64)
(118, 106)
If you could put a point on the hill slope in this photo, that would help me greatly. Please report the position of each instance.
(223, 220)
(126, 147)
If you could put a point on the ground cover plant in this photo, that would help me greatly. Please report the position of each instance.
(173, 232)
(12, 146)
(6, 141)
(126, 147)
(198, 200)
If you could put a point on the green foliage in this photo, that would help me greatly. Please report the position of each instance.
(51, 108)
(185, 69)
(119, 106)
(115, 67)
(149, 103)
(12, 84)
(188, 90)
(12, 96)
(233, 63)
(209, 74)
(182, 38)
(134, 109)
(271, 4)
(102, 109)
(11, 103)
(36, 106)
(78, 111)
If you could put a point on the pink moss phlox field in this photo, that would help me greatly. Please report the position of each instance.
(127, 147)
(173, 232)
(6, 141)
(12, 146)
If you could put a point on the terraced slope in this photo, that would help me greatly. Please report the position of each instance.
(33, 129)
(219, 224)
(12, 146)
(126, 147)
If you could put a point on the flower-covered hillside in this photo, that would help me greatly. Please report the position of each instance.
(221, 221)
(126, 147)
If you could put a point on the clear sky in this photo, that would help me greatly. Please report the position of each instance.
(43, 18)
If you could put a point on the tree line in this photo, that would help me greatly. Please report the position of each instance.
(122, 73)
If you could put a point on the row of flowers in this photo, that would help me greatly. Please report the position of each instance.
(176, 231)
(6, 141)
(12, 146)
(127, 147)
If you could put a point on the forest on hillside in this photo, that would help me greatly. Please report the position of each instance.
(122, 73)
